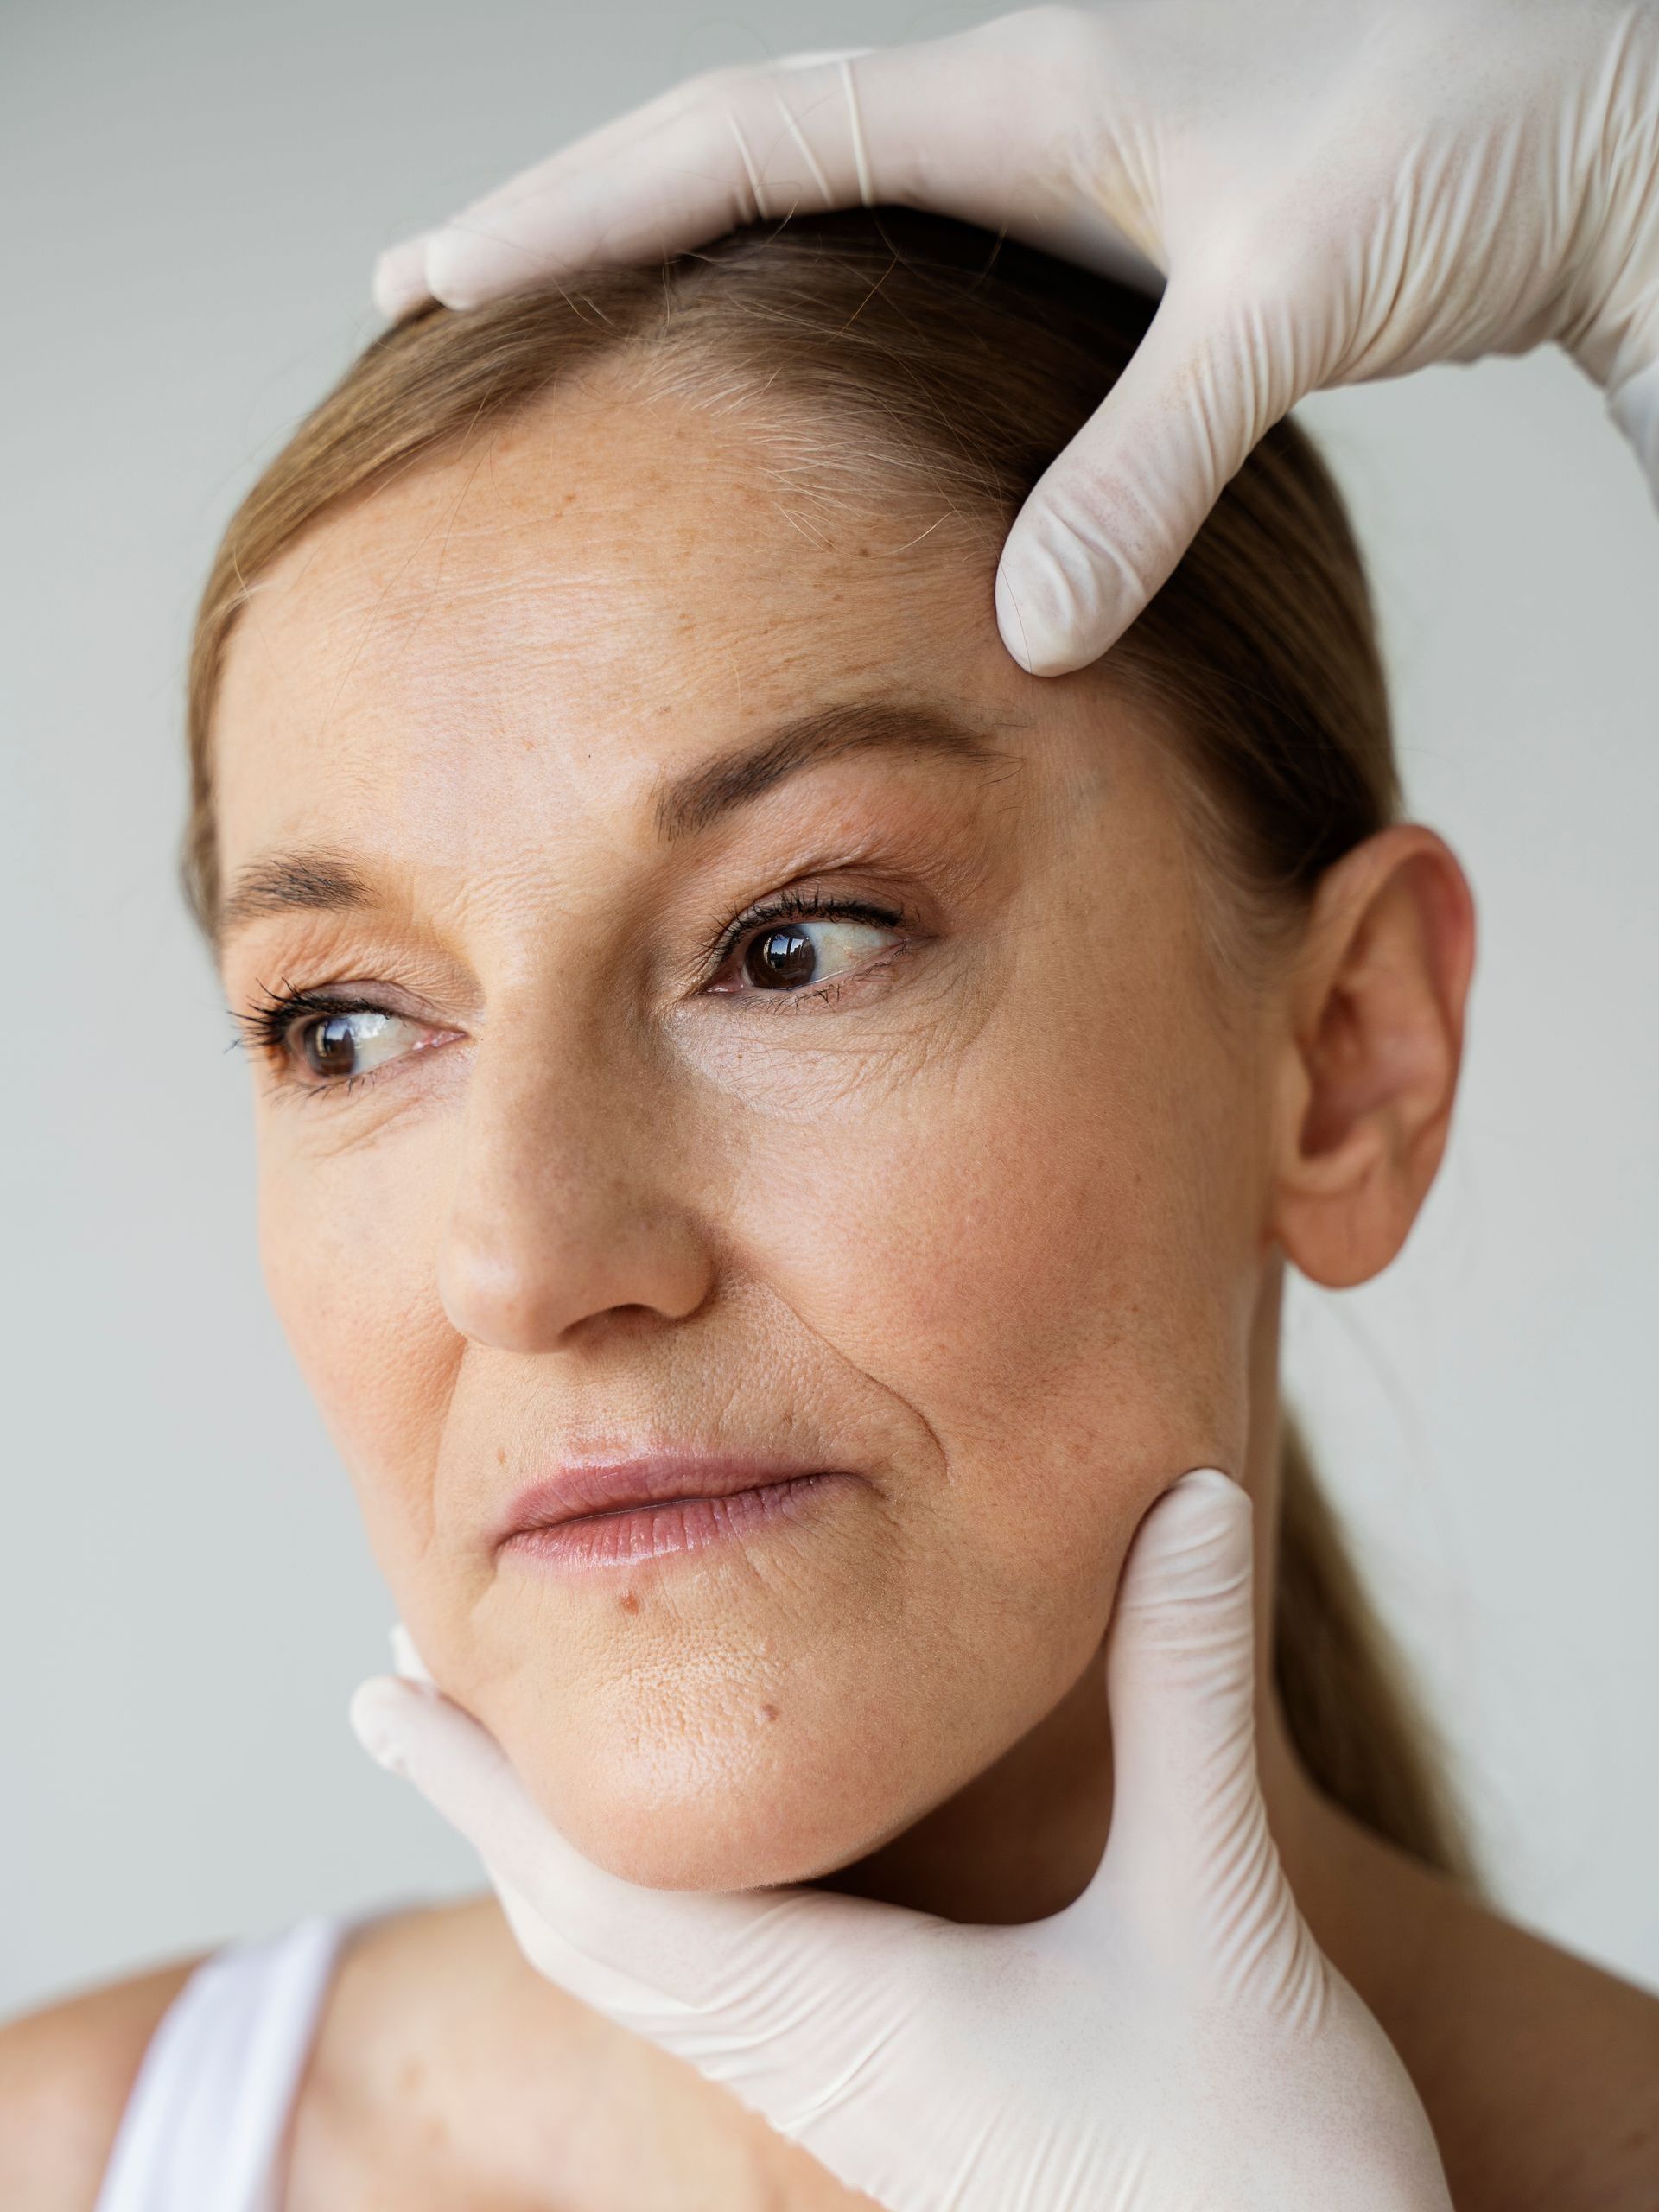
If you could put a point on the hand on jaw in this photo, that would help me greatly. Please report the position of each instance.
(1174, 2036)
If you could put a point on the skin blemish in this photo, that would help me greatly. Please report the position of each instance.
(768, 1713)
(628, 1602)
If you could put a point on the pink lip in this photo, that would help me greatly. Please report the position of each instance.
(622, 1512)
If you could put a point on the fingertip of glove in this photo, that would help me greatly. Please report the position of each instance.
(406, 1661)
(461, 268)
(1200, 1522)
(379, 1715)
(1047, 620)
(1210, 1481)
(400, 283)
(1035, 644)
(1204, 1496)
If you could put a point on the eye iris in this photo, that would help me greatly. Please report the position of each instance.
(781, 959)
(331, 1044)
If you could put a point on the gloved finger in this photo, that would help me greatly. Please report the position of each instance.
(400, 278)
(1180, 1682)
(814, 57)
(622, 133)
(908, 125)
(1191, 1853)
(405, 1659)
(399, 283)
(735, 146)
(1111, 516)
(671, 1942)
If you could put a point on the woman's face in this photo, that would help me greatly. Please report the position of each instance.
(948, 1185)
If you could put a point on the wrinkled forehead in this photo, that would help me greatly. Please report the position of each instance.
(603, 587)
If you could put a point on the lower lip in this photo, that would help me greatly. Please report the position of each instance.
(675, 1524)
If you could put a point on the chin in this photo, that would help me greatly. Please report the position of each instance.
(756, 1802)
(748, 1847)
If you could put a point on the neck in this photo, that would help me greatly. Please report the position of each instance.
(1024, 1838)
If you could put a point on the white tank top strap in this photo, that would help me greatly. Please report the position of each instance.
(207, 2119)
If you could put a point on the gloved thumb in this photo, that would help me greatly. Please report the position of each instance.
(1190, 1852)
(1109, 518)
(1180, 1679)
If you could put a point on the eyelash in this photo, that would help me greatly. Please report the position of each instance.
(789, 905)
(268, 1029)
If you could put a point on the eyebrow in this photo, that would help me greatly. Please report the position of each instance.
(686, 805)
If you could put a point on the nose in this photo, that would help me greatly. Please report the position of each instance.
(562, 1209)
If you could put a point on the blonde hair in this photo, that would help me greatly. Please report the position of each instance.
(912, 352)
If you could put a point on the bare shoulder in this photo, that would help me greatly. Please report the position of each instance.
(1539, 2070)
(1553, 2067)
(1591, 2040)
(66, 2073)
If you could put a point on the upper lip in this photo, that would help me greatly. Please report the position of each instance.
(589, 1486)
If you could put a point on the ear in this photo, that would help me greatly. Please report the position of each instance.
(1370, 1064)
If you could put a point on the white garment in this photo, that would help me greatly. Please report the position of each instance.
(205, 2124)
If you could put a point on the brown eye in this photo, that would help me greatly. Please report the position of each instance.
(792, 954)
(335, 1045)
(780, 960)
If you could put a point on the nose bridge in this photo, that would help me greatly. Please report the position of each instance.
(563, 1206)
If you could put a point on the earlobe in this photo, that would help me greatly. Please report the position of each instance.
(1373, 1044)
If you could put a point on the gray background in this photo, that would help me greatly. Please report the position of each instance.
(194, 191)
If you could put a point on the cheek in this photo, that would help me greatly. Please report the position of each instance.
(348, 1253)
(1049, 1250)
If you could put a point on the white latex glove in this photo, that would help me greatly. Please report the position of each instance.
(1173, 2042)
(1335, 189)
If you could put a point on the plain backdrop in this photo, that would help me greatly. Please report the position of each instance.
(194, 192)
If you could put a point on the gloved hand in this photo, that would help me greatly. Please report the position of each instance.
(1173, 2039)
(1335, 190)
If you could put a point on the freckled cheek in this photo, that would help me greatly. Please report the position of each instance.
(348, 1269)
(1042, 1274)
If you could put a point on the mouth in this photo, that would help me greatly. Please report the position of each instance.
(620, 1513)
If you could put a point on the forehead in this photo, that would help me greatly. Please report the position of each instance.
(595, 591)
